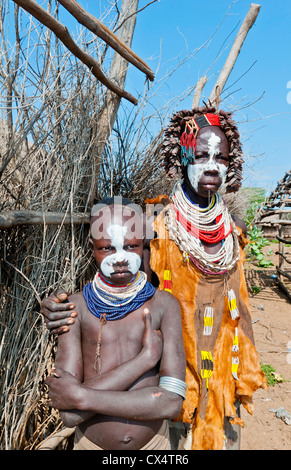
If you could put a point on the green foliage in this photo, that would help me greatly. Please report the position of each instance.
(272, 377)
(255, 197)
(258, 241)
(256, 289)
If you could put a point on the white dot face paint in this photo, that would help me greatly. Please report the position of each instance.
(117, 234)
(196, 171)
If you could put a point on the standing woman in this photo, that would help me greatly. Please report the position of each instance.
(198, 256)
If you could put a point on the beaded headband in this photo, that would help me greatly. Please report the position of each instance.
(172, 151)
(188, 140)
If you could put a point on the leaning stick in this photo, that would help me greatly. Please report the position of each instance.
(198, 90)
(235, 50)
(283, 240)
(62, 33)
(283, 287)
(283, 273)
(96, 27)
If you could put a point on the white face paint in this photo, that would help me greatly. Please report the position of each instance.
(117, 234)
(196, 171)
(213, 145)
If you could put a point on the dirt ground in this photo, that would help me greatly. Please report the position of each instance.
(271, 316)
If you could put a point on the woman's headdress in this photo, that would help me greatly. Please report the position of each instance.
(179, 145)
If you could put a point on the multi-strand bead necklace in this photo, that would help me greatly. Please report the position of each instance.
(109, 302)
(116, 301)
(189, 225)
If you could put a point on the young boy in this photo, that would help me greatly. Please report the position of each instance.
(116, 379)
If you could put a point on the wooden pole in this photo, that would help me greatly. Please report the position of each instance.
(12, 219)
(63, 34)
(96, 27)
(118, 71)
(198, 90)
(235, 50)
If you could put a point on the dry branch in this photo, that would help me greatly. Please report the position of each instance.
(107, 116)
(14, 218)
(283, 273)
(283, 256)
(235, 50)
(284, 288)
(96, 27)
(55, 439)
(278, 223)
(198, 90)
(63, 34)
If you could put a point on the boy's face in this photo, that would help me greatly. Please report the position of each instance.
(208, 172)
(117, 243)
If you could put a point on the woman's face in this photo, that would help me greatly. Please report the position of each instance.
(208, 173)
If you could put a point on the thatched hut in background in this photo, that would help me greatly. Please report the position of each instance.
(273, 216)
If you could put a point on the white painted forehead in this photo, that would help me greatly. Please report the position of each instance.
(209, 134)
(120, 222)
(116, 231)
(214, 141)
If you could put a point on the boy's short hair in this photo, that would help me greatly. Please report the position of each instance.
(133, 211)
(110, 201)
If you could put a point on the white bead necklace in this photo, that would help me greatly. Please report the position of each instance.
(202, 220)
(108, 294)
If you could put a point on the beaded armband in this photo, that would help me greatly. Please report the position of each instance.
(173, 385)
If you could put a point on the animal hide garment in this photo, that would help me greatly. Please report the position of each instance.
(222, 362)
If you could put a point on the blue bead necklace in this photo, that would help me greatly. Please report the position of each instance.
(113, 303)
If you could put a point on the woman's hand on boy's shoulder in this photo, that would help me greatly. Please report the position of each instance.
(58, 312)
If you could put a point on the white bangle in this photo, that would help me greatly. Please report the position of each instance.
(173, 385)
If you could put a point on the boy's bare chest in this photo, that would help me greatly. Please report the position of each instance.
(128, 329)
(116, 341)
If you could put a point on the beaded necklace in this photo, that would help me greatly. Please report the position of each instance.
(108, 302)
(188, 224)
(116, 301)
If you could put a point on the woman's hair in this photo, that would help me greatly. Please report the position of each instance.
(171, 149)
